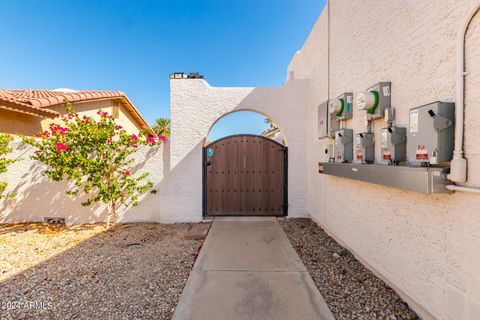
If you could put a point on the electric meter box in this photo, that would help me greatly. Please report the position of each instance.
(430, 138)
(375, 100)
(393, 145)
(327, 124)
(364, 147)
(342, 106)
(343, 145)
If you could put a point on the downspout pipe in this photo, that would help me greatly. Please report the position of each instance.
(458, 170)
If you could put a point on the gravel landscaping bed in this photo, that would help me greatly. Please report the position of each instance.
(350, 290)
(132, 271)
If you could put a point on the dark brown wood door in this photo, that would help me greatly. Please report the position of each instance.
(245, 175)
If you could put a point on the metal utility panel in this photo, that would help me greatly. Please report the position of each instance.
(365, 147)
(342, 106)
(393, 145)
(327, 124)
(426, 180)
(430, 137)
(343, 145)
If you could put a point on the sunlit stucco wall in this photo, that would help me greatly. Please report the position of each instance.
(426, 247)
(19, 123)
(90, 109)
(195, 106)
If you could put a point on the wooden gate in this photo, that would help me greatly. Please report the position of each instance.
(245, 175)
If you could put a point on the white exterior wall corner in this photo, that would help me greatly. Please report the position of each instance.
(425, 247)
(196, 106)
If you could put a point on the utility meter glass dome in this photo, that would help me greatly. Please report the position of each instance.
(366, 100)
(334, 106)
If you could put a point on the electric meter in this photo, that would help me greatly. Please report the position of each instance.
(374, 100)
(341, 107)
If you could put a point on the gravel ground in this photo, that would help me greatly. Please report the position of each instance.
(132, 271)
(350, 290)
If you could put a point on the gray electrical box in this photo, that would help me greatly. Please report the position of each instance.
(343, 145)
(327, 124)
(342, 106)
(365, 147)
(430, 137)
(393, 145)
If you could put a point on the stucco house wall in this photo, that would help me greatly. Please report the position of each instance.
(426, 247)
(91, 108)
(12, 122)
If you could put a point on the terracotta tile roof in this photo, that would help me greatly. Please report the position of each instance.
(10, 102)
(41, 100)
(48, 98)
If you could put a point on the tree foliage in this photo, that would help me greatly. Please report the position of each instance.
(95, 157)
(161, 127)
(5, 149)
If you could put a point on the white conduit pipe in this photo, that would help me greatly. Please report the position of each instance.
(458, 170)
(460, 188)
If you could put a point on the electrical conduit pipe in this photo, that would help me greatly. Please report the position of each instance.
(458, 170)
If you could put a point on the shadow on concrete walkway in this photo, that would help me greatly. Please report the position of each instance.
(248, 270)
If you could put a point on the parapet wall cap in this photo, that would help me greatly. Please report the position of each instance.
(182, 75)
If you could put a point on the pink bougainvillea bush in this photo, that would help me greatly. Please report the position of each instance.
(96, 157)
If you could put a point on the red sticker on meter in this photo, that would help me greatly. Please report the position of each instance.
(386, 154)
(421, 153)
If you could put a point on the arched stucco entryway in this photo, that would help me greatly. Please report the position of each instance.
(196, 106)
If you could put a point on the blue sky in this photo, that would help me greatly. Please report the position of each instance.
(133, 46)
(237, 122)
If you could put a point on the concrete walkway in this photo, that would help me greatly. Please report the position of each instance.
(247, 269)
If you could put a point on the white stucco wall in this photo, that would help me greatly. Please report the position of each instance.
(175, 170)
(195, 106)
(38, 197)
(426, 247)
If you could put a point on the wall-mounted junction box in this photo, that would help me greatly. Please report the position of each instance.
(365, 147)
(341, 107)
(343, 145)
(430, 138)
(375, 100)
(327, 124)
(393, 145)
